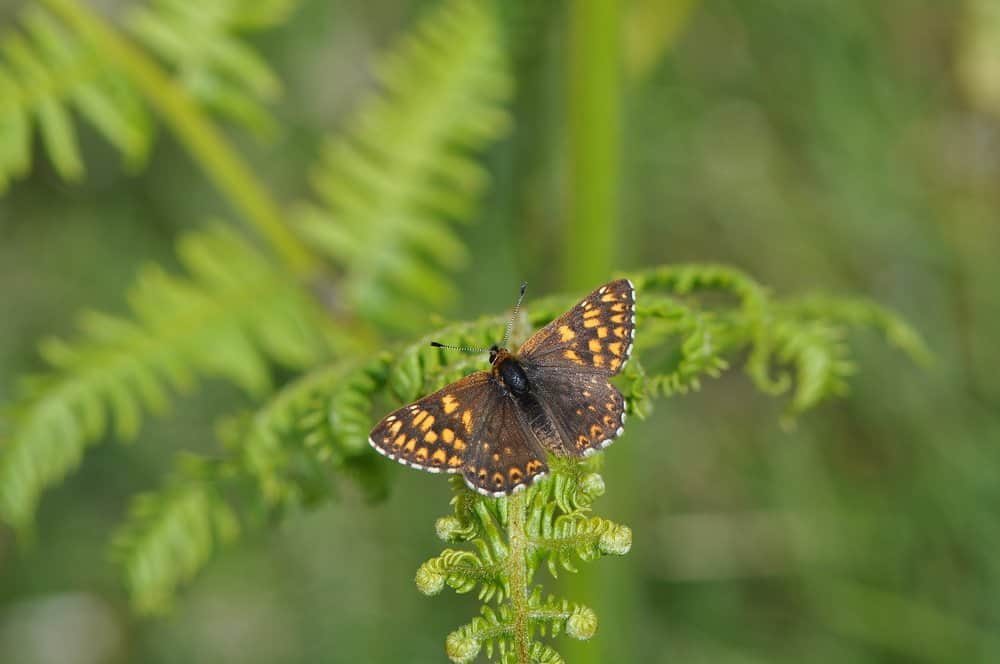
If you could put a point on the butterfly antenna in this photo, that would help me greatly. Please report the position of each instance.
(517, 308)
(464, 349)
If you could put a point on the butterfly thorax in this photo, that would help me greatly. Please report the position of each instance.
(508, 371)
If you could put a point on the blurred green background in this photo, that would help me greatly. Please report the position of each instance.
(849, 146)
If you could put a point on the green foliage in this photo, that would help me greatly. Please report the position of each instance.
(802, 339)
(553, 528)
(205, 45)
(239, 311)
(387, 205)
(172, 534)
(49, 71)
(279, 457)
(386, 223)
(229, 318)
(46, 73)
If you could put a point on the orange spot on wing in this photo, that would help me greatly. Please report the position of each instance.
(610, 297)
(420, 417)
(399, 441)
(616, 348)
(602, 332)
(467, 419)
(428, 423)
(592, 322)
(594, 345)
(431, 437)
(566, 333)
(438, 458)
(447, 435)
(590, 313)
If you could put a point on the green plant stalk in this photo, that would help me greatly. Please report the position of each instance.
(594, 123)
(202, 139)
(517, 540)
(593, 111)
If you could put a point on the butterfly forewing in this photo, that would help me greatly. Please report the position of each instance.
(595, 335)
(435, 433)
(505, 455)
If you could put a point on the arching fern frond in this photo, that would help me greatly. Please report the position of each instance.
(204, 43)
(279, 458)
(46, 73)
(171, 534)
(392, 187)
(51, 71)
(317, 423)
(285, 450)
(802, 339)
(230, 318)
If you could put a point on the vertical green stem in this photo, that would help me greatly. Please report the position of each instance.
(593, 115)
(205, 143)
(517, 560)
(594, 142)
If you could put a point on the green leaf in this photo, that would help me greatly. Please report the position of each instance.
(393, 186)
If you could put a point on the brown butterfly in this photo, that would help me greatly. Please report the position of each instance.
(495, 426)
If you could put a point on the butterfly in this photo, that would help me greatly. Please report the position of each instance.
(495, 427)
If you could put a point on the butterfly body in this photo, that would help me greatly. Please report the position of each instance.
(552, 396)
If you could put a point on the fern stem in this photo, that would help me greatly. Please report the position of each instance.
(518, 572)
(202, 139)
(593, 107)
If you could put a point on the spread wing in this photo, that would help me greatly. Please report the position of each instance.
(505, 455)
(595, 335)
(435, 433)
(586, 411)
(470, 427)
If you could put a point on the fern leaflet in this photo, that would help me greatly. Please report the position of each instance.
(390, 187)
(235, 314)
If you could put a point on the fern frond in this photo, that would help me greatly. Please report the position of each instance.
(494, 630)
(48, 72)
(204, 43)
(860, 313)
(172, 534)
(801, 339)
(230, 318)
(318, 423)
(392, 187)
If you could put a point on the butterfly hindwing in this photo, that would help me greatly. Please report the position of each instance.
(435, 433)
(595, 335)
(505, 455)
(587, 410)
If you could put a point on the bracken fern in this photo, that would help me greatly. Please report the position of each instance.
(49, 70)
